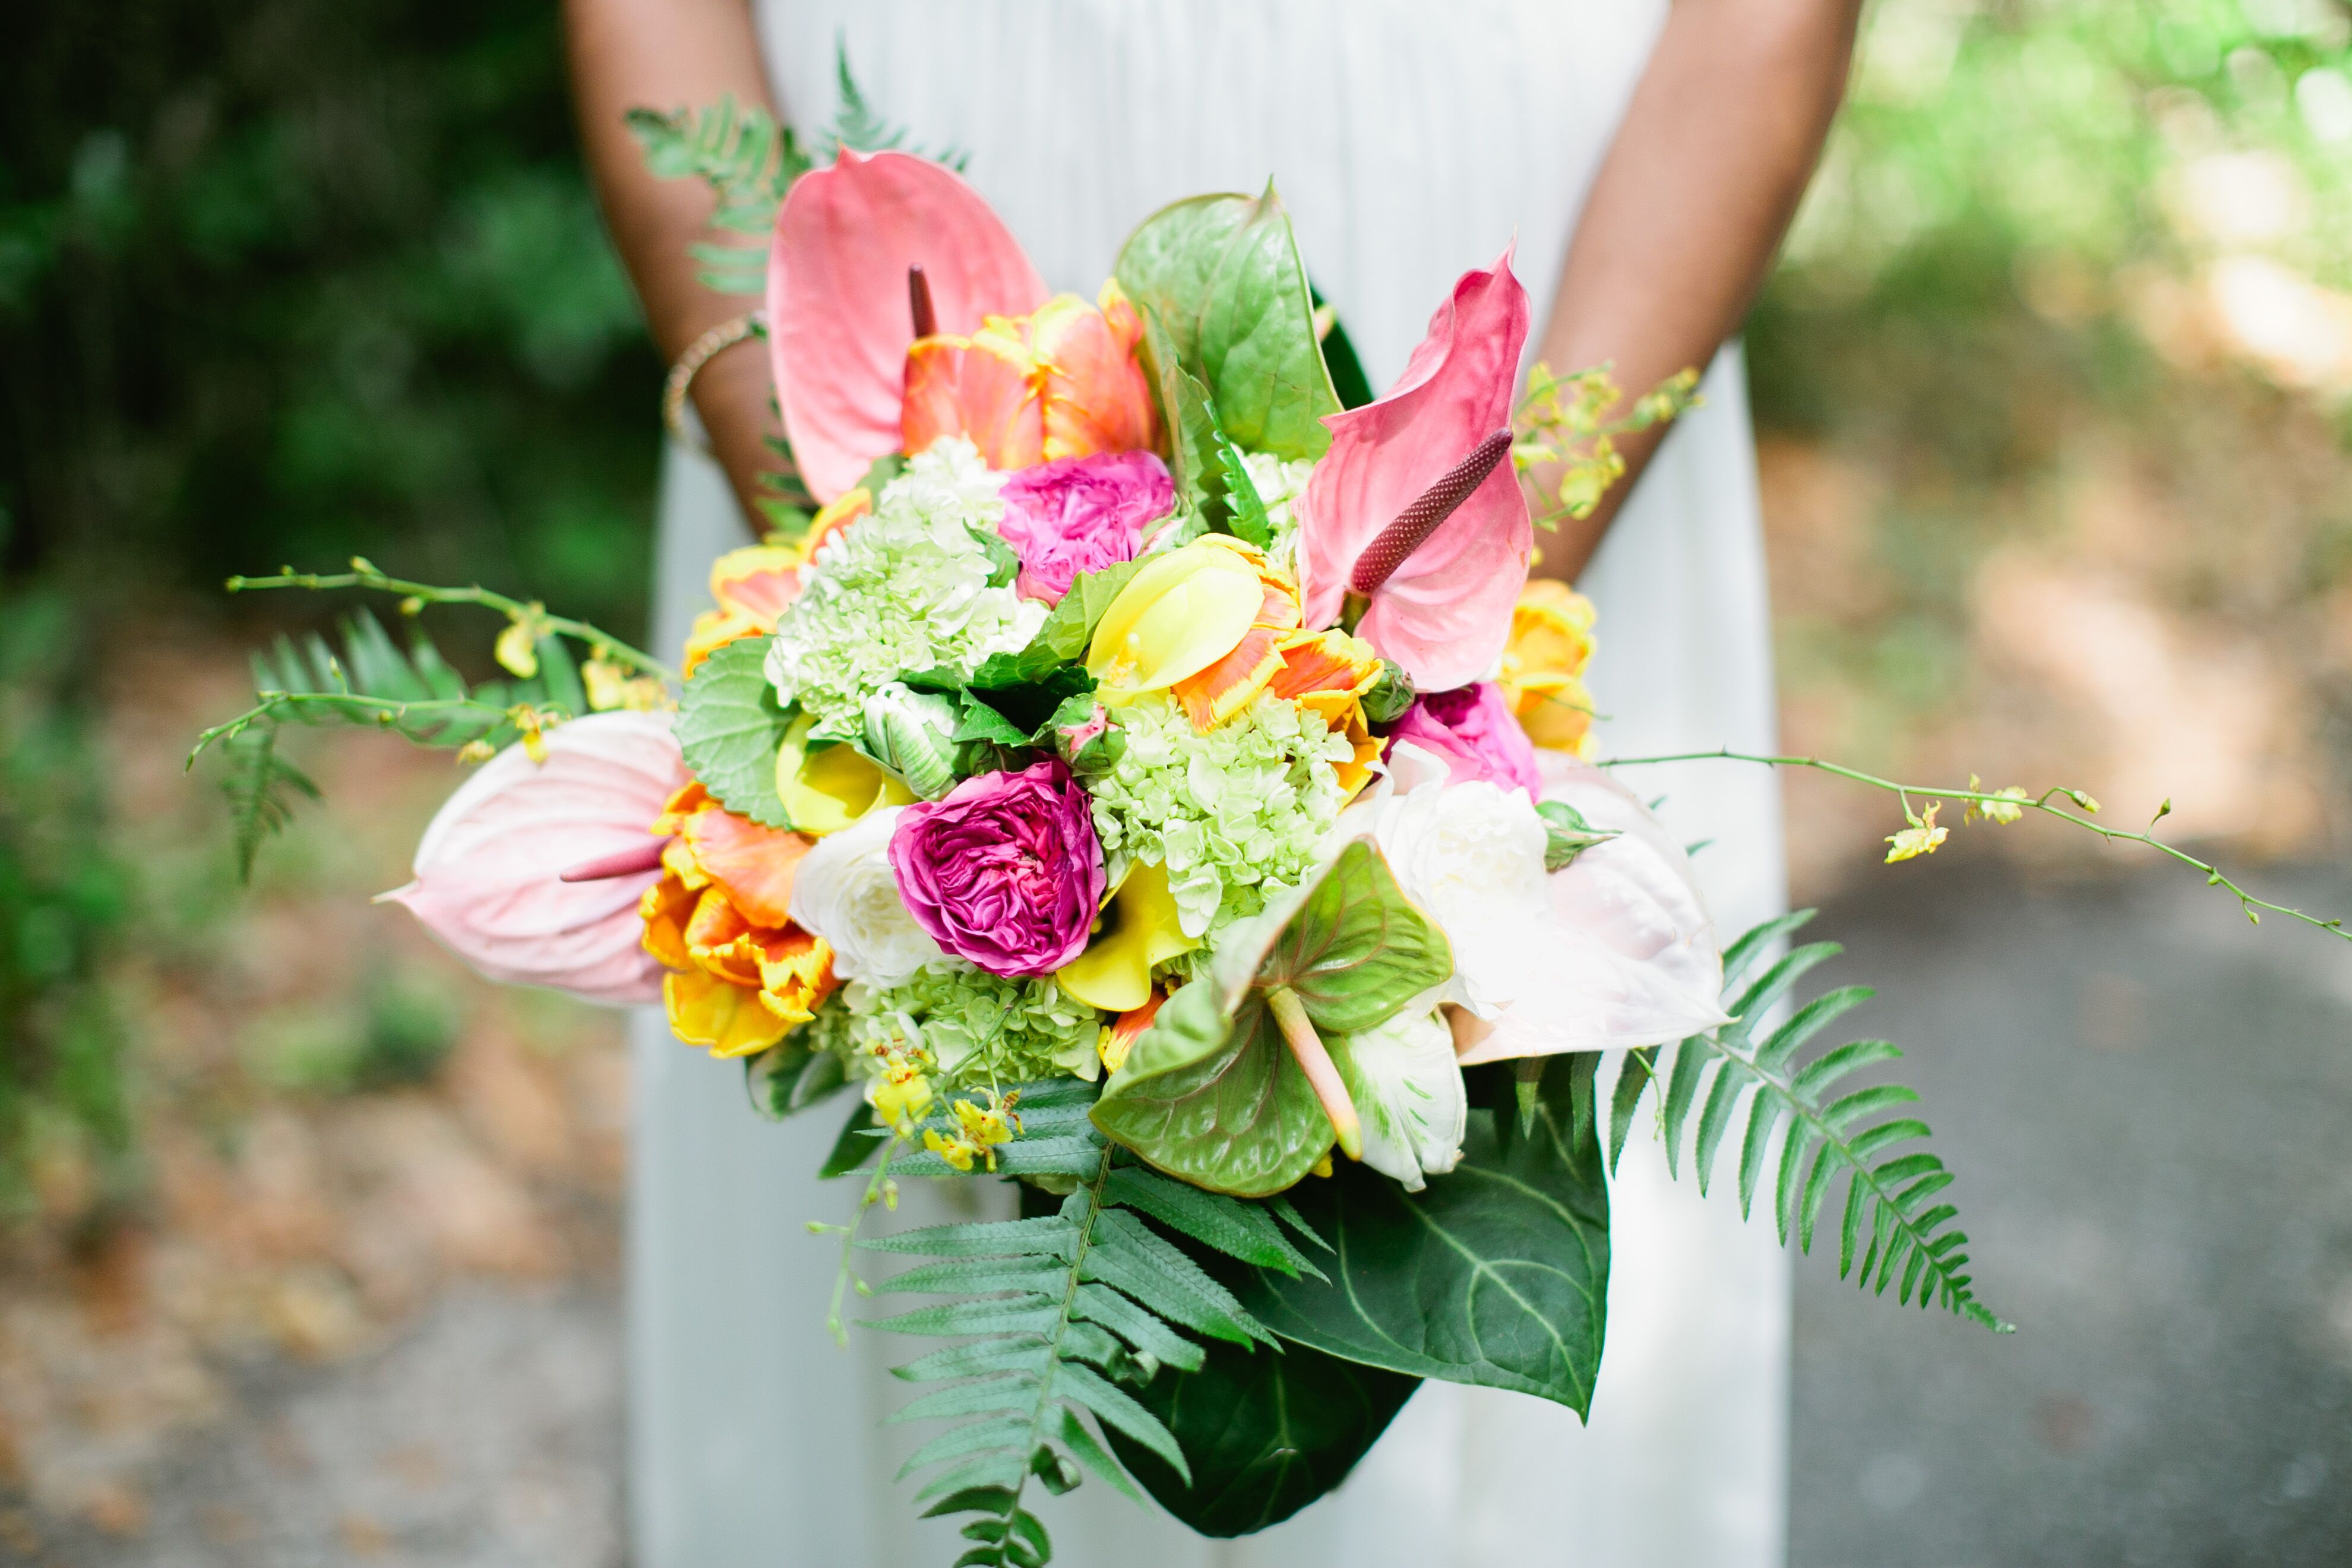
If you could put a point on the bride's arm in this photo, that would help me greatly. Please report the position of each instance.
(1691, 202)
(671, 54)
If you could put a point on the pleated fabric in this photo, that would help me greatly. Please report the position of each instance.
(1409, 144)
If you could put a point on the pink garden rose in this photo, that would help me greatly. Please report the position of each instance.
(1005, 871)
(1473, 729)
(1081, 514)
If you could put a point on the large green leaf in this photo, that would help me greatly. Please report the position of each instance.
(1210, 1092)
(729, 725)
(1263, 1434)
(1222, 275)
(1497, 1274)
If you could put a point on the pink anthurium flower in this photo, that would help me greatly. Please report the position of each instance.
(839, 315)
(1439, 437)
(1632, 957)
(488, 874)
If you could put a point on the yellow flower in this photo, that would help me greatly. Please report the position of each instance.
(2003, 808)
(1181, 614)
(609, 685)
(1920, 838)
(1138, 930)
(827, 788)
(980, 1129)
(956, 1152)
(517, 649)
(1544, 663)
(900, 1095)
(744, 976)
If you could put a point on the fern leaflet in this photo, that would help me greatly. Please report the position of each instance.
(259, 786)
(1056, 1313)
(1892, 1216)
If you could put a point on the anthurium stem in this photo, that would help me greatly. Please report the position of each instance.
(1322, 1072)
(1416, 522)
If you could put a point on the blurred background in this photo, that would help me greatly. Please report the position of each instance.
(309, 1242)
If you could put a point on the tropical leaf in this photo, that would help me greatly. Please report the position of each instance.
(1222, 275)
(1262, 1436)
(1894, 1229)
(1496, 1274)
(730, 726)
(1065, 1315)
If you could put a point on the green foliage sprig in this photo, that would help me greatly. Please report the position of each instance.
(1058, 1312)
(2005, 805)
(1564, 421)
(1893, 1199)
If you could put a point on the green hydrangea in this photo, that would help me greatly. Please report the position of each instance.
(905, 589)
(977, 1028)
(1233, 814)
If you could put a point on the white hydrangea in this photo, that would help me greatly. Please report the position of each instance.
(903, 589)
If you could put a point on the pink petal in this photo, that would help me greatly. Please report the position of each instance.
(487, 873)
(838, 319)
(1634, 958)
(1445, 614)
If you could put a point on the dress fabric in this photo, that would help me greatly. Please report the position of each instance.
(1410, 142)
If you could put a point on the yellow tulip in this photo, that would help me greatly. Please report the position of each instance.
(827, 788)
(1139, 929)
(1543, 666)
(1183, 612)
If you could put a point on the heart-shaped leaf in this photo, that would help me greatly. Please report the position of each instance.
(730, 726)
(1264, 1433)
(1222, 274)
(1496, 1274)
(1210, 1092)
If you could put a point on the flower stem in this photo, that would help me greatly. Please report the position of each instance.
(1322, 1072)
(363, 575)
(875, 1188)
(2247, 902)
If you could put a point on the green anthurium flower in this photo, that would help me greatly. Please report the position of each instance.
(1233, 1087)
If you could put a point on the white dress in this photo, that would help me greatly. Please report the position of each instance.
(1410, 142)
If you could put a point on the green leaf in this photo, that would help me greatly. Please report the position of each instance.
(730, 727)
(1234, 1229)
(1567, 835)
(1248, 520)
(1222, 274)
(260, 786)
(791, 1076)
(1190, 419)
(857, 1143)
(1496, 1274)
(1003, 564)
(1264, 1434)
(1070, 624)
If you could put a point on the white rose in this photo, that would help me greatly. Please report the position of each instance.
(1472, 856)
(846, 892)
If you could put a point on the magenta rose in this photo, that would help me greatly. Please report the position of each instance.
(1081, 514)
(1472, 727)
(1005, 871)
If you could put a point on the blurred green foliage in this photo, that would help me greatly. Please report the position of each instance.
(63, 906)
(284, 281)
(2015, 237)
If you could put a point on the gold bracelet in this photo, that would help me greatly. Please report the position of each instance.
(699, 352)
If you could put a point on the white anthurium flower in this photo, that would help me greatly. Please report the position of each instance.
(1408, 1093)
(846, 892)
(1612, 952)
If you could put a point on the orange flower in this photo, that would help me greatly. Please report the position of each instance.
(1062, 381)
(753, 586)
(743, 975)
(1543, 666)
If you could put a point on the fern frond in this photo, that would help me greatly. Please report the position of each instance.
(1891, 1218)
(859, 126)
(748, 158)
(1057, 1312)
(259, 786)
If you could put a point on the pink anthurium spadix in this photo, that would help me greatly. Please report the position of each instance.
(840, 314)
(1440, 606)
(489, 873)
(1633, 956)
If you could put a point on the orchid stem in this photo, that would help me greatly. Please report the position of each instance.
(2247, 903)
(1322, 1072)
(875, 1189)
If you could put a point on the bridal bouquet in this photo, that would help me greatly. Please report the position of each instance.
(1150, 775)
